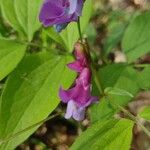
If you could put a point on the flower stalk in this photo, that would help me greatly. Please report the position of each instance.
(99, 86)
(79, 29)
(87, 51)
(135, 119)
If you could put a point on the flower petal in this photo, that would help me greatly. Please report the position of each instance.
(73, 6)
(79, 114)
(51, 10)
(63, 94)
(71, 107)
(85, 77)
(76, 66)
(60, 27)
(79, 7)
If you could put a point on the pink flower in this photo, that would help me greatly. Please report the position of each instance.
(78, 97)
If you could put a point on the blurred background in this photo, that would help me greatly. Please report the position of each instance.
(105, 31)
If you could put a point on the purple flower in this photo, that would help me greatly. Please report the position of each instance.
(78, 97)
(60, 12)
(81, 60)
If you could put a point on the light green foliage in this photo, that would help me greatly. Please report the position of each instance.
(91, 33)
(144, 78)
(113, 38)
(22, 15)
(116, 26)
(117, 91)
(120, 77)
(54, 36)
(31, 94)
(136, 40)
(10, 55)
(70, 35)
(106, 135)
(102, 110)
(145, 113)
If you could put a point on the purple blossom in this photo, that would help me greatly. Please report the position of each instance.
(78, 97)
(60, 12)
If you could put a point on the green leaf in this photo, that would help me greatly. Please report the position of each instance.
(22, 15)
(136, 40)
(122, 79)
(11, 54)
(54, 36)
(3, 28)
(113, 38)
(110, 74)
(119, 76)
(117, 23)
(70, 35)
(10, 15)
(31, 94)
(145, 113)
(102, 110)
(107, 135)
(116, 91)
(91, 33)
(144, 78)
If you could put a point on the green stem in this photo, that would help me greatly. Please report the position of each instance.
(143, 128)
(26, 129)
(134, 118)
(98, 84)
(94, 72)
(140, 65)
(79, 29)
(97, 80)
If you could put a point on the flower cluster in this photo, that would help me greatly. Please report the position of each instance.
(78, 97)
(60, 12)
